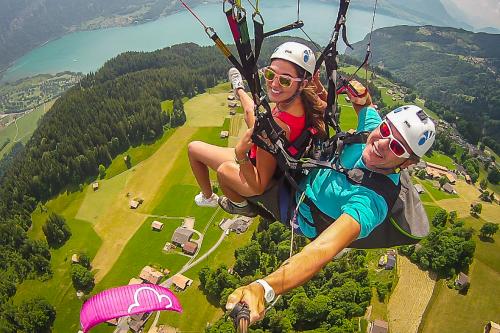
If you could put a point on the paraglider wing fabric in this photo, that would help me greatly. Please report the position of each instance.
(126, 301)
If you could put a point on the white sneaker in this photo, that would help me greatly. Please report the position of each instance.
(236, 81)
(204, 202)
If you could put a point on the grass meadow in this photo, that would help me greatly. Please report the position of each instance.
(441, 159)
(449, 310)
(23, 128)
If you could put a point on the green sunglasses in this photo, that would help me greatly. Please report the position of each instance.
(284, 80)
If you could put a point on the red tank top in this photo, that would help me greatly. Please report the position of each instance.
(296, 125)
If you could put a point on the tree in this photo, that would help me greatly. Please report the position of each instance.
(56, 230)
(82, 278)
(84, 260)
(443, 180)
(488, 229)
(475, 209)
(440, 217)
(483, 184)
(35, 316)
(102, 171)
(485, 196)
(452, 216)
(494, 176)
(421, 174)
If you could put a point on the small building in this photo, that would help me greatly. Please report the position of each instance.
(449, 189)
(157, 225)
(232, 104)
(468, 179)
(79, 294)
(230, 97)
(419, 188)
(190, 248)
(181, 282)
(134, 281)
(224, 134)
(437, 167)
(134, 204)
(95, 186)
(451, 177)
(391, 262)
(240, 224)
(232, 112)
(168, 247)
(75, 258)
(181, 236)
(492, 327)
(379, 326)
(462, 281)
(151, 275)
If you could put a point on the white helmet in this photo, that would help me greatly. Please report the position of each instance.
(296, 53)
(415, 126)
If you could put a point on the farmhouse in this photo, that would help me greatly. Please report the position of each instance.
(230, 97)
(379, 326)
(189, 222)
(157, 225)
(95, 186)
(75, 259)
(462, 281)
(190, 248)
(232, 112)
(449, 189)
(391, 262)
(135, 281)
(224, 134)
(181, 282)
(151, 275)
(134, 204)
(181, 236)
(232, 104)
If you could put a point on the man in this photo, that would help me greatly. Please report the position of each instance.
(394, 143)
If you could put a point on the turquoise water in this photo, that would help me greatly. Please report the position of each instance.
(86, 51)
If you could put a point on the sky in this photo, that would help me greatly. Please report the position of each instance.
(479, 13)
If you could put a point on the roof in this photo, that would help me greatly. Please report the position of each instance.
(190, 247)
(379, 326)
(448, 188)
(150, 274)
(182, 235)
(157, 225)
(95, 185)
(74, 258)
(224, 134)
(180, 281)
(419, 188)
(437, 166)
(391, 262)
(188, 222)
(134, 204)
(451, 177)
(462, 279)
(134, 281)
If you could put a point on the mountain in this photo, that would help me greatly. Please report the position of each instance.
(456, 71)
(26, 24)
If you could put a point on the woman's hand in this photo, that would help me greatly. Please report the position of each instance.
(253, 296)
(244, 145)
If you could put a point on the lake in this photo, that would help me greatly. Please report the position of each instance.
(87, 51)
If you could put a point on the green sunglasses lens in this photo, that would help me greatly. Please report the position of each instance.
(269, 74)
(285, 81)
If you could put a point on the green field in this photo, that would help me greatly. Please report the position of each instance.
(449, 310)
(22, 129)
(441, 159)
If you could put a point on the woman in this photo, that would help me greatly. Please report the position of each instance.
(247, 170)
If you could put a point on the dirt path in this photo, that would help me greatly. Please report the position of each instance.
(410, 298)
(144, 181)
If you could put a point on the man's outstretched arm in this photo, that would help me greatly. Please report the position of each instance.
(300, 268)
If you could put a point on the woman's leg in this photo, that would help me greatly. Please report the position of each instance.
(232, 182)
(203, 156)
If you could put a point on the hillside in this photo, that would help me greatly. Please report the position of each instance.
(456, 71)
(28, 23)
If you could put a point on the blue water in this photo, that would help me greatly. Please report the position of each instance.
(87, 51)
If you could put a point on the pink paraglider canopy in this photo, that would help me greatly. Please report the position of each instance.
(126, 301)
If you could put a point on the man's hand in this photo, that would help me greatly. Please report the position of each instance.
(363, 99)
(253, 296)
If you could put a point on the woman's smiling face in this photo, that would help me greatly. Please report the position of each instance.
(276, 92)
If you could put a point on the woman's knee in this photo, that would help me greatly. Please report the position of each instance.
(194, 147)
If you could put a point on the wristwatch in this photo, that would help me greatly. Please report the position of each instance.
(268, 290)
(244, 160)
